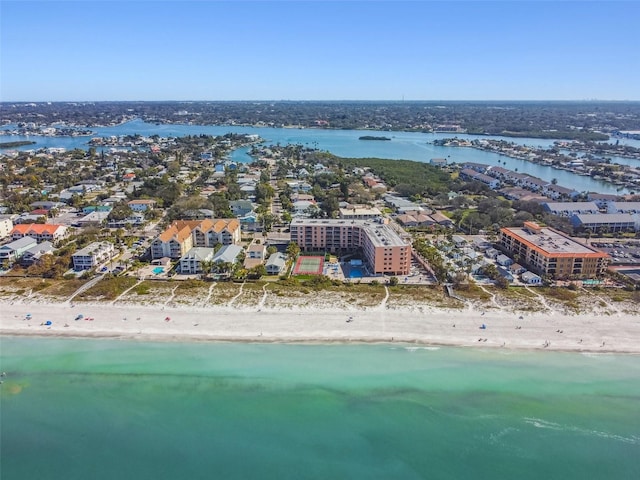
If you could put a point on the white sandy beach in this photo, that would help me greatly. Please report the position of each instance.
(617, 332)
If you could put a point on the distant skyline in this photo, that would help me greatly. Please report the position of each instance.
(312, 50)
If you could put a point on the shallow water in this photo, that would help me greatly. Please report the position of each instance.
(114, 409)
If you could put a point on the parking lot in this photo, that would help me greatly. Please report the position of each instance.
(622, 253)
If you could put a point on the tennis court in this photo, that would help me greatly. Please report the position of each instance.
(309, 266)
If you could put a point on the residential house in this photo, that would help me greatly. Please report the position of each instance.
(141, 205)
(240, 208)
(35, 253)
(13, 251)
(228, 254)
(276, 263)
(530, 278)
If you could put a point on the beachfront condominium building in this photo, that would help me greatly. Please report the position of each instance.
(182, 235)
(93, 255)
(550, 252)
(383, 249)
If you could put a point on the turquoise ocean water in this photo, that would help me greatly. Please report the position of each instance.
(107, 409)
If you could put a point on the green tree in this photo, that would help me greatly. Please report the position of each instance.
(293, 250)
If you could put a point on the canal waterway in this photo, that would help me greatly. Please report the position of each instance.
(346, 143)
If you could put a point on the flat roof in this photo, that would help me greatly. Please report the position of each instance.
(553, 243)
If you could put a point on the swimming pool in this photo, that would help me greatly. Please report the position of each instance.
(355, 272)
(158, 270)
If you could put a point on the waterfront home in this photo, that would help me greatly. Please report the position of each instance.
(228, 254)
(530, 278)
(35, 253)
(13, 251)
(93, 255)
(276, 263)
(470, 174)
(558, 191)
(191, 262)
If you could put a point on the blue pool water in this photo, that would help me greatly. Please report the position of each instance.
(355, 272)
(158, 270)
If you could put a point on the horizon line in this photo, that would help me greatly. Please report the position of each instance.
(327, 100)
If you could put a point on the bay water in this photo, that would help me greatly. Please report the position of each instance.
(105, 409)
(346, 143)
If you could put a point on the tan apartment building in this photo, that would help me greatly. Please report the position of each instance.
(382, 248)
(550, 252)
(182, 235)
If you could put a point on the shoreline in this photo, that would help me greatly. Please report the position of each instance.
(420, 327)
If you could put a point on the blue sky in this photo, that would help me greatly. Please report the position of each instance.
(312, 50)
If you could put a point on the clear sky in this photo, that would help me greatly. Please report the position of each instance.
(319, 50)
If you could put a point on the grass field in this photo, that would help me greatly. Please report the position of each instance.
(309, 266)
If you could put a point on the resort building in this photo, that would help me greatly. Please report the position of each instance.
(40, 231)
(93, 255)
(182, 235)
(383, 249)
(549, 252)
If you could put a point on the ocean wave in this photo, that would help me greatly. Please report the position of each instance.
(539, 423)
(413, 349)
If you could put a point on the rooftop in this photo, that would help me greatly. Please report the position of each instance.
(552, 242)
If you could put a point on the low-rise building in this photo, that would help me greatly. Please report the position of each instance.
(35, 253)
(191, 262)
(40, 231)
(567, 209)
(13, 251)
(609, 222)
(141, 205)
(360, 212)
(276, 263)
(93, 255)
